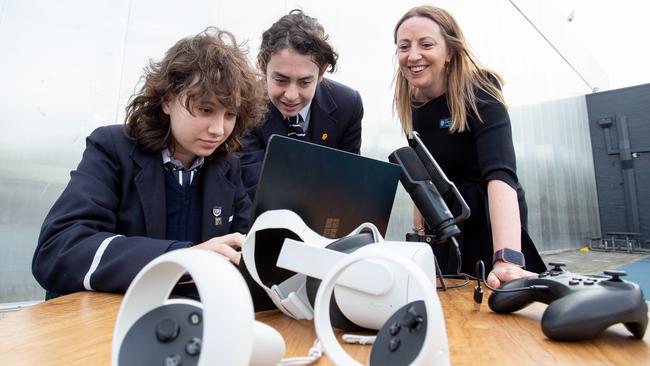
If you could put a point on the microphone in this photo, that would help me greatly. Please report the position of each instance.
(446, 187)
(418, 183)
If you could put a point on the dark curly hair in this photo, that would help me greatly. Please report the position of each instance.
(203, 67)
(300, 33)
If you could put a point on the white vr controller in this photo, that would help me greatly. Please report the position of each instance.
(153, 329)
(367, 294)
(414, 335)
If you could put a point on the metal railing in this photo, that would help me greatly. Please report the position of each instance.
(620, 242)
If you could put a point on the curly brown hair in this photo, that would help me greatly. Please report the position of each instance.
(300, 33)
(203, 67)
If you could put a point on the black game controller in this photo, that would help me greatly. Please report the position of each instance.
(168, 335)
(402, 337)
(580, 306)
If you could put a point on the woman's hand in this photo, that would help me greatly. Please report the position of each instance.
(418, 221)
(226, 245)
(505, 272)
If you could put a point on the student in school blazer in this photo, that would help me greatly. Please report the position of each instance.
(335, 121)
(87, 238)
(167, 179)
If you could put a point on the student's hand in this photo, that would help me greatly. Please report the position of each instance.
(226, 245)
(505, 272)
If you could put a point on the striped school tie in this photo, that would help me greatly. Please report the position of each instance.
(294, 128)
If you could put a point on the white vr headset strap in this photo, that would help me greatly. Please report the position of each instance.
(369, 276)
(377, 238)
(290, 296)
(291, 302)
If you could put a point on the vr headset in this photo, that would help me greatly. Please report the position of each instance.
(288, 260)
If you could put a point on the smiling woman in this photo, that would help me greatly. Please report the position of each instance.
(456, 105)
(163, 181)
(423, 57)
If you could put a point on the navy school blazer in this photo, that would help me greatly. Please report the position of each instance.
(335, 121)
(109, 222)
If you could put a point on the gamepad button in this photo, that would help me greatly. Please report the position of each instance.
(573, 282)
(393, 344)
(194, 318)
(395, 328)
(554, 274)
(174, 360)
(167, 330)
(193, 346)
(589, 283)
(615, 275)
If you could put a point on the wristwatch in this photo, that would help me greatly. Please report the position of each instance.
(510, 256)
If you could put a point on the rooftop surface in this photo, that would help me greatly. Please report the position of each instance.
(592, 262)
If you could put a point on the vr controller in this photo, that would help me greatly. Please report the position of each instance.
(415, 334)
(287, 259)
(152, 329)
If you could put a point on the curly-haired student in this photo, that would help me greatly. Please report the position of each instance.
(166, 179)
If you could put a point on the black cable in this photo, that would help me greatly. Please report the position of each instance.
(480, 277)
(480, 265)
(458, 275)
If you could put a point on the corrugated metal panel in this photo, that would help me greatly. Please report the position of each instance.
(556, 169)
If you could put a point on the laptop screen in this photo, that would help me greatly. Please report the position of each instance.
(331, 190)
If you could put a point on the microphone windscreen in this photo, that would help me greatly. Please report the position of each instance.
(410, 162)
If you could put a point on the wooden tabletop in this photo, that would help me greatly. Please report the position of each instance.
(77, 330)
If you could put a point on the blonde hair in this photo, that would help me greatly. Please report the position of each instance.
(465, 75)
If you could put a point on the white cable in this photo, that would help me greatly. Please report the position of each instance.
(314, 354)
(358, 339)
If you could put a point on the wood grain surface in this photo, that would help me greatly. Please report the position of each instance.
(77, 330)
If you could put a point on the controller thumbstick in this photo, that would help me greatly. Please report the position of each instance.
(615, 275)
(412, 319)
(167, 330)
(557, 266)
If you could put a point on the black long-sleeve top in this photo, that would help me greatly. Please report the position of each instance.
(471, 159)
(482, 153)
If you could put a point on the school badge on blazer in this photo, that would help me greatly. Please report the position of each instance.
(216, 212)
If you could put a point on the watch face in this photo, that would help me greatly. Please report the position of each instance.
(510, 256)
(513, 256)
